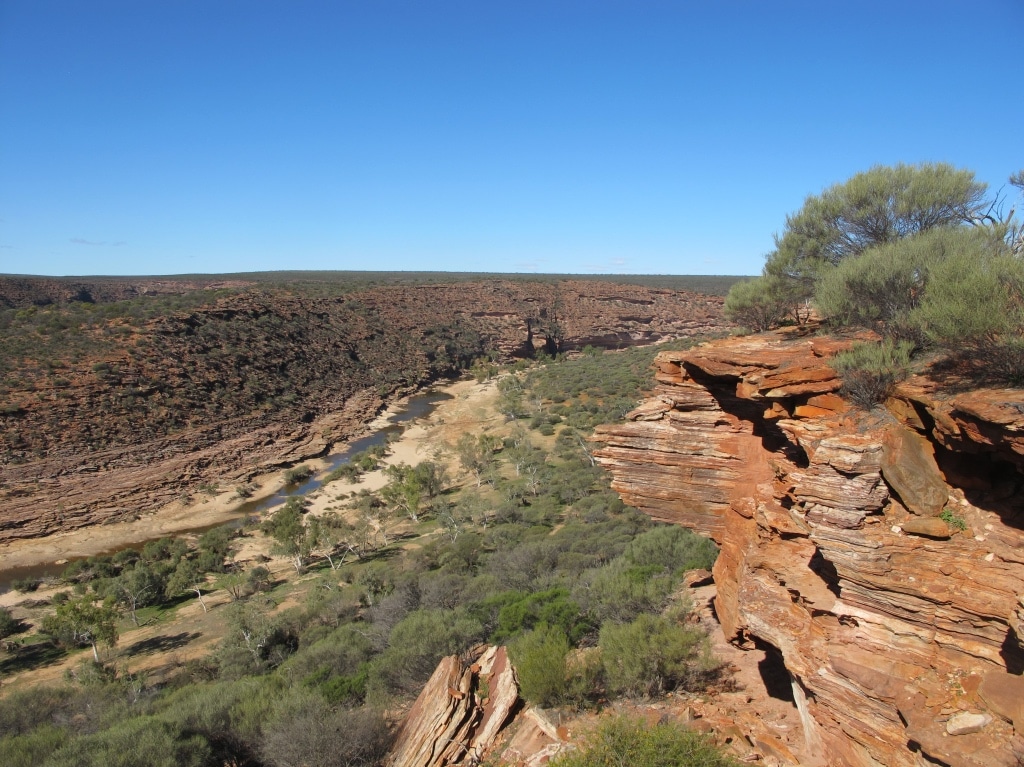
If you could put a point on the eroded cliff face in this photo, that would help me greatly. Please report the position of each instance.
(124, 415)
(841, 540)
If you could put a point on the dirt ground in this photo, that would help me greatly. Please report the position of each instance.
(160, 646)
(470, 408)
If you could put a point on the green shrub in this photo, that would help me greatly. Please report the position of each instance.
(627, 741)
(871, 370)
(620, 591)
(26, 585)
(33, 748)
(305, 730)
(140, 740)
(298, 474)
(548, 673)
(954, 520)
(8, 623)
(540, 657)
(946, 270)
(974, 305)
(649, 655)
(673, 548)
(520, 612)
(416, 645)
(758, 304)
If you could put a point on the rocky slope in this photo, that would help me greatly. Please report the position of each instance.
(876, 556)
(111, 410)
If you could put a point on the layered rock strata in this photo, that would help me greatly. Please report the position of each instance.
(877, 554)
(459, 713)
(120, 416)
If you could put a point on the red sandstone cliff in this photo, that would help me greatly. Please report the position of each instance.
(901, 634)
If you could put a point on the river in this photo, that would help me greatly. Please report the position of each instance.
(416, 407)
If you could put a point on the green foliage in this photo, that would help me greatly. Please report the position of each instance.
(228, 715)
(297, 474)
(673, 548)
(137, 741)
(974, 305)
(187, 576)
(950, 516)
(83, 622)
(878, 206)
(415, 646)
(33, 748)
(519, 612)
(761, 303)
(887, 285)
(289, 530)
(303, 730)
(256, 641)
(541, 659)
(8, 623)
(871, 370)
(648, 656)
(140, 586)
(625, 741)
(25, 585)
(619, 591)
(335, 666)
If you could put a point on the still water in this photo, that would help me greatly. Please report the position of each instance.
(418, 406)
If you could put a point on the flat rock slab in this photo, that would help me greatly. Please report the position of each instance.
(908, 465)
(967, 722)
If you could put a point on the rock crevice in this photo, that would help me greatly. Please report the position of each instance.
(877, 552)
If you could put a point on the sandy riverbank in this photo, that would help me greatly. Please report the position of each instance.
(422, 440)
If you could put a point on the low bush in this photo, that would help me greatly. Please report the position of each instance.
(298, 474)
(624, 740)
(673, 548)
(871, 370)
(305, 730)
(648, 656)
(758, 304)
(26, 585)
(33, 748)
(140, 740)
(549, 672)
(8, 623)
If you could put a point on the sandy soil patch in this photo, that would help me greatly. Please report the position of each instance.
(160, 647)
(470, 408)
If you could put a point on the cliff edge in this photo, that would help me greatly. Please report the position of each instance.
(877, 555)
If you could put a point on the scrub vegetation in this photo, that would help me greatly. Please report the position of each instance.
(919, 254)
(516, 538)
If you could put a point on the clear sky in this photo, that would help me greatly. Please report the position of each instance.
(180, 136)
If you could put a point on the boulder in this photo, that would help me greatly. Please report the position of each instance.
(931, 527)
(909, 468)
(1003, 694)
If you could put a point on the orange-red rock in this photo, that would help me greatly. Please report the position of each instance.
(884, 634)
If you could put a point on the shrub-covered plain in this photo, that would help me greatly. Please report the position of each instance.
(520, 541)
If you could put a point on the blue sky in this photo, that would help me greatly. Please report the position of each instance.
(180, 136)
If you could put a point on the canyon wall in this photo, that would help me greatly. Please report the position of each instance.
(879, 555)
(105, 415)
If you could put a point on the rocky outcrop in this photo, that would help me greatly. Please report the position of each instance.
(877, 554)
(108, 415)
(459, 713)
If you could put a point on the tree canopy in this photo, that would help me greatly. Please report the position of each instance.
(879, 206)
(915, 252)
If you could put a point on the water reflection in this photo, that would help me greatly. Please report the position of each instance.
(418, 406)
